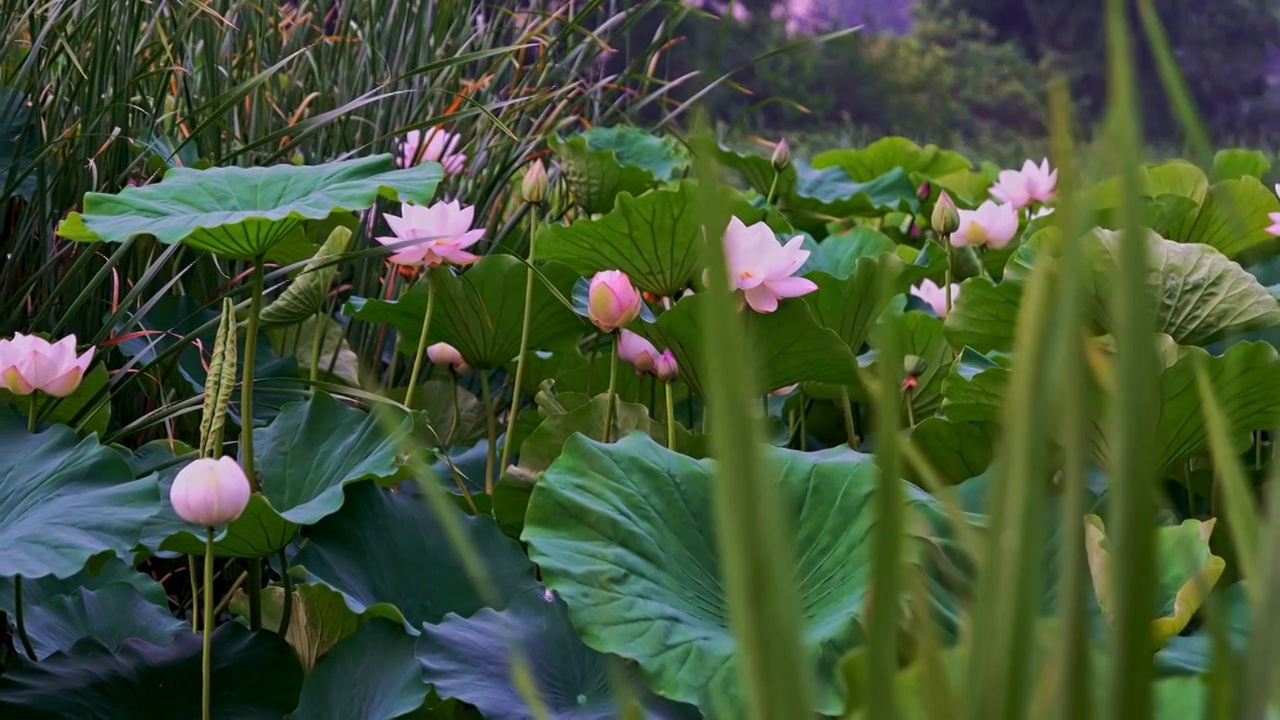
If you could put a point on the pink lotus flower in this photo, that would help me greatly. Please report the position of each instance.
(440, 147)
(935, 296)
(210, 492)
(762, 268)
(1274, 229)
(665, 367)
(1020, 188)
(785, 390)
(991, 225)
(612, 301)
(29, 363)
(444, 230)
(636, 350)
(442, 353)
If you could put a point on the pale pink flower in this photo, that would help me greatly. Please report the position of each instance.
(210, 492)
(636, 350)
(612, 301)
(665, 367)
(29, 363)
(991, 225)
(762, 268)
(1274, 229)
(935, 296)
(442, 353)
(785, 390)
(444, 230)
(441, 147)
(1020, 188)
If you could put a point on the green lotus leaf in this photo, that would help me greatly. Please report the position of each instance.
(101, 571)
(1194, 653)
(838, 254)
(306, 295)
(64, 500)
(850, 306)
(789, 344)
(371, 674)
(337, 361)
(1186, 571)
(975, 387)
(305, 458)
(363, 550)
(622, 533)
(956, 450)
(472, 659)
(984, 315)
(481, 311)
(1199, 295)
(254, 677)
(240, 212)
(318, 620)
(110, 614)
(1237, 163)
(889, 153)
(656, 239)
(602, 163)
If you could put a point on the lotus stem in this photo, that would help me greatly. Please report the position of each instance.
(317, 341)
(254, 591)
(524, 335)
(491, 423)
(613, 389)
(773, 186)
(31, 418)
(286, 614)
(422, 342)
(18, 618)
(946, 281)
(457, 408)
(671, 416)
(246, 384)
(206, 659)
(849, 428)
(195, 594)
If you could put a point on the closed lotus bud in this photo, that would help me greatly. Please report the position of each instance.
(664, 366)
(612, 301)
(914, 365)
(924, 191)
(442, 353)
(534, 186)
(210, 492)
(781, 155)
(946, 217)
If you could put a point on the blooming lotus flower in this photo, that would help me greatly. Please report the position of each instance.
(935, 296)
(442, 353)
(210, 492)
(665, 367)
(636, 350)
(443, 228)
(1020, 188)
(1274, 229)
(991, 225)
(762, 268)
(29, 363)
(612, 301)
(440, 147)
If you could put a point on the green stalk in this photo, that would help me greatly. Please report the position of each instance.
(524, 334)
(246, 383)
(613, 388)
(317, 335)
(286, 614)
(422, 341)
(491, 423)
(31, 419)
(773, 186)
(850, 432)
(18, 618)
(946, 280)
(671, 416)
(195, 594)
(206, 660)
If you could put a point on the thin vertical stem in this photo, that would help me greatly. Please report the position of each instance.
(317, 338)
(31, 419)
(671, 416)
(422, 342)
(206, 662)
(524, 333)
(613, 388)
(946, 280)
(195, 594)
(491, 423)
(246, 384)
(286, 613)
(851, 433)
(18, 618)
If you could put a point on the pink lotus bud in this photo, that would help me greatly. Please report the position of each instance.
(612, 301)
(664, 366)
(934, 296)
(1274, 228)
(29, 363)
(534, 186)
(210, 492)
(637, 351)
(442, 353)
(781, 157)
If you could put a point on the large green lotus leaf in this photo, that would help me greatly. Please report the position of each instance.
(101, 572)
(481, 311)
(1186, 570)
(305, 457)
(111, 615)
(984, 315)
(307, 294)
(838, 254)
(850, 304)
(64, 500)
(623, 533)
(602, 163)
(975, 387)
(389, 549)
(319, 618)
(921, 337)
(656, 239)
(1199, 294)
(956, 450)
(254, 677)
(242, 212)
(1232, 218)
(888, 153)
(1245, 383)
(472, 659)
(789, 344)
(1194, 653)
(1237, 163)
(1176, 177)
(371, 674)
